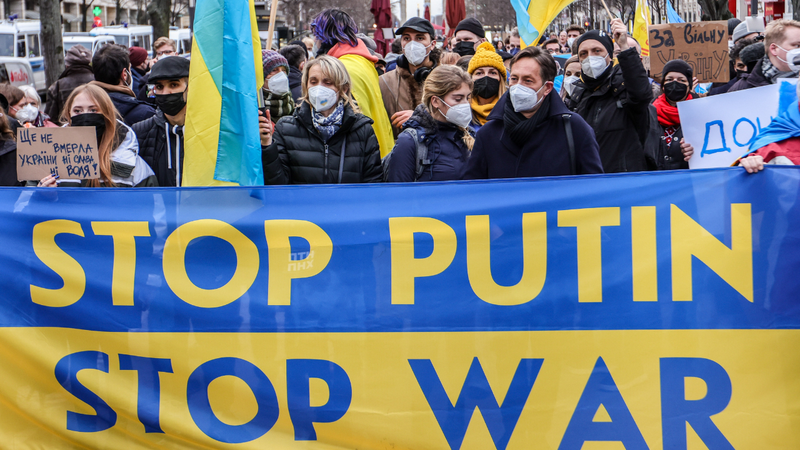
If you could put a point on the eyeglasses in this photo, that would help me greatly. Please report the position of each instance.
(165, 52)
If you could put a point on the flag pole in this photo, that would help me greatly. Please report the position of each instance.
(611, 16)
(273, 14)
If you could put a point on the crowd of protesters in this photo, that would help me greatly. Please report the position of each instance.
(430, 109)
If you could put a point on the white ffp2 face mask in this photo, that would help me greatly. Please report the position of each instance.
(415, 53)
(524, 98)
(28, 113)
(594, 66)
(569, 84)
(790, 58)
(279, 83)
(322, 98)
(459, 115)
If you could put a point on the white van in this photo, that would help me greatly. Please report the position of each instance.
(16, 71)
(128, 35)
(182, 38)
(88, 42)
(20, 38)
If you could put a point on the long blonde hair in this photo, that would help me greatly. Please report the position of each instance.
(335, 70)
(442, 81)
(110, 140)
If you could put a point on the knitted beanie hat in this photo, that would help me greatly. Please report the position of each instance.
(486, 56)
(271, 60)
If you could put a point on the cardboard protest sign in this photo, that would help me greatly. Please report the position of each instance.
(722, 127)
(704, 45)
(70, 153)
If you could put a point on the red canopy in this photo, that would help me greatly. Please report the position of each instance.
(455, 12)
(382, 11)
(428, 13)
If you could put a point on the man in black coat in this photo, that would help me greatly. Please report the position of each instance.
(112, 72)
(77, 73)
(296, 57)
(530, 132)
(614, 100)
(780, 37)
(161, 136)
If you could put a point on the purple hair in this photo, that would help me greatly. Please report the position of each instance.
(333, 26)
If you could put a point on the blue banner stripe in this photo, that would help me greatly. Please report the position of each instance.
(353, 290)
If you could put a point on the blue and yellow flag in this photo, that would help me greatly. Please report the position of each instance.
(640, 23)
(222, 139)
(533, 16)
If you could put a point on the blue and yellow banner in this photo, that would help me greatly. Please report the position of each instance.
(644, 311)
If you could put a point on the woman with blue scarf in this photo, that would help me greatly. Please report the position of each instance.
(326, 139)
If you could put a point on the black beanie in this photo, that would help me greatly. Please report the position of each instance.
(680, 66)
(472, 25)
(599, 36)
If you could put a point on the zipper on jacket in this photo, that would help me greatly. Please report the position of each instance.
(325, 173)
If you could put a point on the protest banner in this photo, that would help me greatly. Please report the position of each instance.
(648, 311)
(722, 127)
(69, 152)
(704, 45)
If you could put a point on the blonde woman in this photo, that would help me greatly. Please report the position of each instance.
(119, 162)
(489, 78)
(326, 139)
(437, 140)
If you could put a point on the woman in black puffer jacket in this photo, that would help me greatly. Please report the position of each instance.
(307, 147)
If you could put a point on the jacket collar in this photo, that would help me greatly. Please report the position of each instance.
(111, 88)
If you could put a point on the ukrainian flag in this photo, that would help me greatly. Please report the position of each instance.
(223, 146)
(533, 16)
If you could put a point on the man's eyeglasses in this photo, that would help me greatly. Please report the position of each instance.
(165, 52)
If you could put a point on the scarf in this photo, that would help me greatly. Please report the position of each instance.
(481, 112)
(667, 114)
(594, 83)
(771, 73)
(328, 126)
(520, 129)
(340, 49)
(279, 105)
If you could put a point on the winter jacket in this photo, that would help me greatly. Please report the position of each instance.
(161, 147)
(495, 155)
(618, 111)
(446, 150)
(754, 79)
(296, 83)
(360, 64)
(131, 109)
(127, 168)
(75, 75)
(138, 76)
(399, 89)
(8, 163)
(298, 154)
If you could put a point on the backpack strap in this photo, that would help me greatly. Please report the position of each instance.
(422, 160)
(570, 143)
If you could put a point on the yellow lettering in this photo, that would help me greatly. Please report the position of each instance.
(644, 254)
(174, 263)
(534, 254)
(124, 235)
(45, 247)
(282, 269)
(589, 222)
(405, 267)
(734, 265)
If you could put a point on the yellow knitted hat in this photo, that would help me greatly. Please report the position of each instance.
(486, 56)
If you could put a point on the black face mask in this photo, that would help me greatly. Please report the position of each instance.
(675, 91)
(96, 120)
(465, 48)
(171, 104)
(486, 87)
(739, 73)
